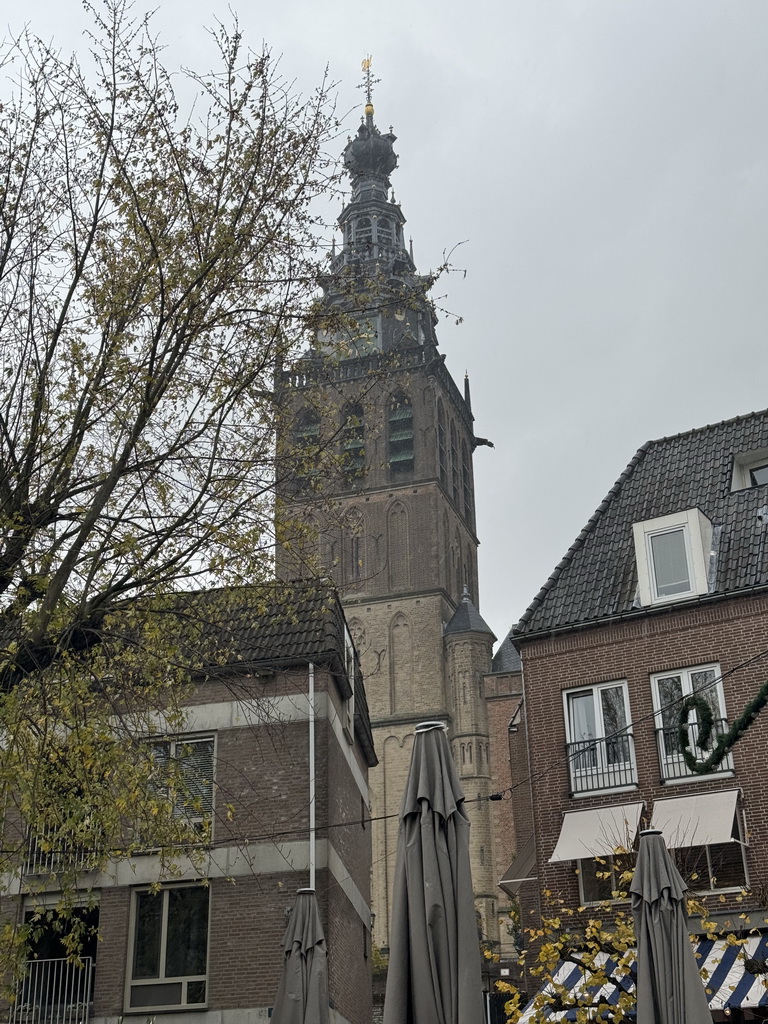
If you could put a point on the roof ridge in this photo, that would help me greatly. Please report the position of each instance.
(708, 426)
(578, 543)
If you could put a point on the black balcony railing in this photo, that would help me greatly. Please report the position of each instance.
(671, 759)
(605, 763)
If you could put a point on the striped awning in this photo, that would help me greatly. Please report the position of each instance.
(725, 976)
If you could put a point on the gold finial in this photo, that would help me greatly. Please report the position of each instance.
(368, 83)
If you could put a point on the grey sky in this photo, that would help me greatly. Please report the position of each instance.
(607, 163)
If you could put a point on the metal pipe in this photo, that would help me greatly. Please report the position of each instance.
(311, 775)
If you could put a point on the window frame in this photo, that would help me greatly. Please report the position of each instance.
(697, 536)
(202, 820)
(674, 760)
(609, 862)
(131, 983)
(627, 769)
(744, 465)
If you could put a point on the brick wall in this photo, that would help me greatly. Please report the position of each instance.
(728, 633)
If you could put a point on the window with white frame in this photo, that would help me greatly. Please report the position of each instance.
(600, 746)
(673, 556)
(185, 771)
(750, 469)
(669, 691)
(169, 948)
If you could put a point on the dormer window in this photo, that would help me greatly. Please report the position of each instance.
(750, 469)
(673, 555)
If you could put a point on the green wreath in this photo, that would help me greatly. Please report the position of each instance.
(695, 702)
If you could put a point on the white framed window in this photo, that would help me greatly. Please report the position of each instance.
(599, 738)
(673, 555)
(186, 772)
(750, 469)
(168, 948)
(669, 689)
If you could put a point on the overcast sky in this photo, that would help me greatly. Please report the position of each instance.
(606, 164)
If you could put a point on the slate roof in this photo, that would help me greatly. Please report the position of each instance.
(597, 578)
(506, 658)
(467, 619)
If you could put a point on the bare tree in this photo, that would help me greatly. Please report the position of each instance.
(155, 269)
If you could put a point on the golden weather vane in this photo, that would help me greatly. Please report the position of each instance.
(368, 81)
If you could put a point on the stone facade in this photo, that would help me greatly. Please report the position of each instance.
(391, 512)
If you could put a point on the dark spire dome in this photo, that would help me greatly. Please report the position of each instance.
(370, 154)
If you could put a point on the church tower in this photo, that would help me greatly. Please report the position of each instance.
(394, 510)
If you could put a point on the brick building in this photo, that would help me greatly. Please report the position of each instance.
(206, 945)
(663, 595)
(386, 505)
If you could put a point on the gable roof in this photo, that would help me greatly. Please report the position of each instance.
(597, 578)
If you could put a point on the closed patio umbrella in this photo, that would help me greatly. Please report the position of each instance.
(302, 996)
(669, 986)
(434, 959)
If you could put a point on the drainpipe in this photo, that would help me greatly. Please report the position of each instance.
(311, 775)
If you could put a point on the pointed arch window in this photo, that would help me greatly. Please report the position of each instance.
(353, 550)
(401, 664)
(364, 232)
(466, 481)
(454, 463)
(442, 454)
(400, 423)
(398, 553)
(306, 440)
(353, 443)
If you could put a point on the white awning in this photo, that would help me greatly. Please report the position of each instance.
(697, 820)
(522, 869)
(597, 831)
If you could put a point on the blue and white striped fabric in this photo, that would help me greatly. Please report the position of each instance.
(726, 979)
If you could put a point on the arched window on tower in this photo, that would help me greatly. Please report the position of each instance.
(364, 230)
(401, 665)
(353, 443)
(466, 481)
(454, 464)
(442, 454)
(306, 439)
(398, 549)
(400, 440)
(353, 546)
(384, 234)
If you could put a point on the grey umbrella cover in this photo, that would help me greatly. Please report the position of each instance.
(302, 996)
(434, 972)
(669, 986)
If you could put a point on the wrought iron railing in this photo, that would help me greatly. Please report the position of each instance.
(54, 992)
(671, 759)
(605, 763)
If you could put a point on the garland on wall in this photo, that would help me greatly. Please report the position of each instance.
(706, 722)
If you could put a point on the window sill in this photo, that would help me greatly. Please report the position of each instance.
(728, 774)
(605, 792)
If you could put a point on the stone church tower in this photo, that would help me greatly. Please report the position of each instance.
(393, 512)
